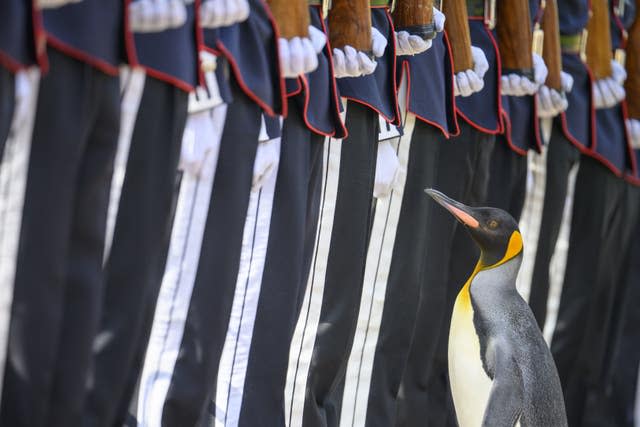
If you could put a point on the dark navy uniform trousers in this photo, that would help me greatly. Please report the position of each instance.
(59, 279)
(134, 267)
(562, 156)
(602, 225)
(463, 173)
(7, 96)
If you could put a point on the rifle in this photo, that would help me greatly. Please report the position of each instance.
(515, 37)
(415, 17)
(599, 54)
(457, 28)
(292, 17)
(632, 84)
(551, 51)
(350, 24)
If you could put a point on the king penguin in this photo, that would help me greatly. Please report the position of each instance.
(501, 371)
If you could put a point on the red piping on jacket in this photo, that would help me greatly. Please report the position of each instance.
(406, 69)
(130, 45)
(68, 50)
(39, 38)
(238, 74)
(630, 152)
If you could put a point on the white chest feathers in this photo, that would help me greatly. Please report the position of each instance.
(470, 385)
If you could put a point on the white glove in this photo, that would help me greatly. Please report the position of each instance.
(196, 142)
(267, 158)
(438, 19)
(318, 39)
(51, 4)
(389, 174)
(550, 101)
(607, 93)
(300, 55)
(540, 70)
(468, 82)
(378, 42)
(517, 85)
(633, 128)
(408, 44)
(618, 73)
(349, 62)
(222, 13)
(147, 16)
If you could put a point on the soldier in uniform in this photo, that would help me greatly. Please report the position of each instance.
(275, 214)
(253, 368)
(571, 134)
(480, 123)
(57, 292)
(327, 320)
(179, 372)
(508, 177)
(165, 39)
(393, 270)
(411, 407)
(551, 101)
(592, 278)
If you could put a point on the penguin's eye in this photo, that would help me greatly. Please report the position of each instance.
(493, 224)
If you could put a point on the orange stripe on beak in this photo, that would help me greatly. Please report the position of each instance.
(463, 216)
(452, 206)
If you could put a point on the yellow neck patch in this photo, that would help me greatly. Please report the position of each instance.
(514, 247)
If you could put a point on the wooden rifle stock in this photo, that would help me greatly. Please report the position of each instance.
(350, 24)
(599, 50)
(457, 27)
(292, 17)
(514, 36)
(632, 84)
(551, 52)
(415, 17)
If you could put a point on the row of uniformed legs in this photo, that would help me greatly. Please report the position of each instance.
(219, 346)
(579, 268)
(316, 368)
(592, 282)
(220, 279)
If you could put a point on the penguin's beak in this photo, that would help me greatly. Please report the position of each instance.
(463, 213)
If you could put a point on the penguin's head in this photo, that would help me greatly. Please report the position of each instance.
(494, 230)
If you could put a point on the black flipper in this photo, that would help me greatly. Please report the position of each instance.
(506, 399)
